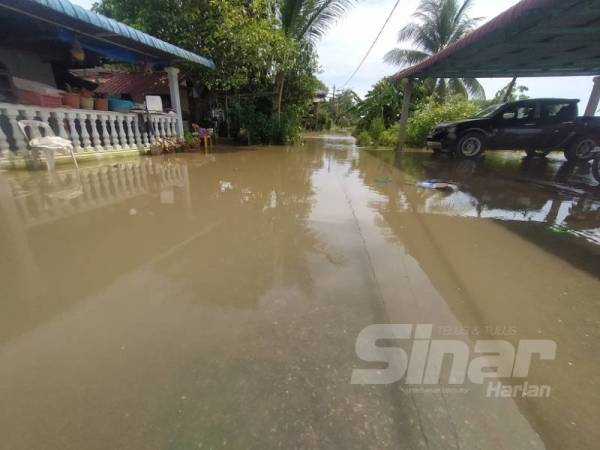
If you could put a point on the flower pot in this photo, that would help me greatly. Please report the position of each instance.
(101, 104)
(87, 103)
(71, 100)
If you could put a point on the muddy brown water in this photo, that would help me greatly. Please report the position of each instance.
(214, 301)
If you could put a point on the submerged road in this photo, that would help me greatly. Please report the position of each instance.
(214, 301)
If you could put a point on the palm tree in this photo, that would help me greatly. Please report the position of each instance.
(307, 21)
(439, 24)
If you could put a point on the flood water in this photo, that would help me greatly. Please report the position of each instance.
(214, 301)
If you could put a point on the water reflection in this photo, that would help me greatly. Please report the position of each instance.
(214, 301)
(516, 246)
(562, 195)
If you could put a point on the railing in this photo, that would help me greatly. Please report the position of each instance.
(89, 131)
(37, 198)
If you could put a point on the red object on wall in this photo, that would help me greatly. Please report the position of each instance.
(37, 99)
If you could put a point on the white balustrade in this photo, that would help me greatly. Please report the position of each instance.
(89, 131)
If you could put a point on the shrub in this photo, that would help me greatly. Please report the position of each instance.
(389, 137)
(287, 129)
(431, 114)
(376, 129)
(268, 127)
(364, 139)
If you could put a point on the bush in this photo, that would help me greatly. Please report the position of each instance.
(430, 114)
(376, 129)
(364, 139)
(285, 130)
(389, 138)
(267, 127)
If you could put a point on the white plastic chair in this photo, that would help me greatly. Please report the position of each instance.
(48, 144)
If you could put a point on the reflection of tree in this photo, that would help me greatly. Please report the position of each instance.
(260, 202)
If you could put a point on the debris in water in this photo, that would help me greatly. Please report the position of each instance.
(440, 185)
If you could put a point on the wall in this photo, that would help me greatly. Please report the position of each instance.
(27, 65)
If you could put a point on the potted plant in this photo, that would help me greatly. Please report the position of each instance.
(71, 98)
(87, 99)
(100, 102)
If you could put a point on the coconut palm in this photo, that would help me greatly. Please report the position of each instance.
(307, 21)
(439, 23)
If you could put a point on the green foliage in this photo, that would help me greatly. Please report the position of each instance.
(364, 139)
(336, 112)
(309, 20)
(383, 101)
(241, 36)
(431, 113)
(427, 116)
(249, 44)
(376, 129)
(516, 93)
(438, 24)
(265, 127)
(389, 137)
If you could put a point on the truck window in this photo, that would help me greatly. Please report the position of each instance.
(558, 112)
(522, 112)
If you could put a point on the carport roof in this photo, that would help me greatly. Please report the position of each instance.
(534, 38)
(66, 15)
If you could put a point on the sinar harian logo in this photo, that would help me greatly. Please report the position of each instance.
(421, 361)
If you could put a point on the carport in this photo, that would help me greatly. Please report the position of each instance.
(534, 38)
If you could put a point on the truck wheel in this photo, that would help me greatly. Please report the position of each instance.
(596, 169)
(581, 149)
(537, 153)
(470, 145)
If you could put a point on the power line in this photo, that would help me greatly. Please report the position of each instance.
(373, 44)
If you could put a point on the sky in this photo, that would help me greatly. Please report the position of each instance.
(344, 46)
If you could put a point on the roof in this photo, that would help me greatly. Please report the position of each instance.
(533, 38)
(136, 84)
(87, 23)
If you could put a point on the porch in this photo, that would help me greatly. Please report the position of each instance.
(92, 132)
(46, 42)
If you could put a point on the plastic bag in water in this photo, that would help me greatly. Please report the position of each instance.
(440, 185)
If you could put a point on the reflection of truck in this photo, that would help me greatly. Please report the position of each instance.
(536, 126)
(596, 165)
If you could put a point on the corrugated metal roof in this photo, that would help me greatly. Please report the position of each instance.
(533, 38)
(136, 84)
(105, 29)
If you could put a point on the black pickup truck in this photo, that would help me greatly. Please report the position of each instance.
(537, 126)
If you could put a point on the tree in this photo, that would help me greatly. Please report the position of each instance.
(511, 93)
(241, 36)
(383, 101)
(439, 23)
(306, 21)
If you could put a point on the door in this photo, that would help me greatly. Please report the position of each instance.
(519, 126)
(558, 120)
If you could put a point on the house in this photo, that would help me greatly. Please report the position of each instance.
(44, 42)
(137, 85)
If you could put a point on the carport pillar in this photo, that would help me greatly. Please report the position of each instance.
(408, 90)
(173, 74)
(592, 105)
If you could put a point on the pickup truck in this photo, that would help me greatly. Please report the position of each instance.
(537, 126)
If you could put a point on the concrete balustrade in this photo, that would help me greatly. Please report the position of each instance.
(91, 132)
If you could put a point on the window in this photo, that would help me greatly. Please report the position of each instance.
(522, 111)
(558, 112)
